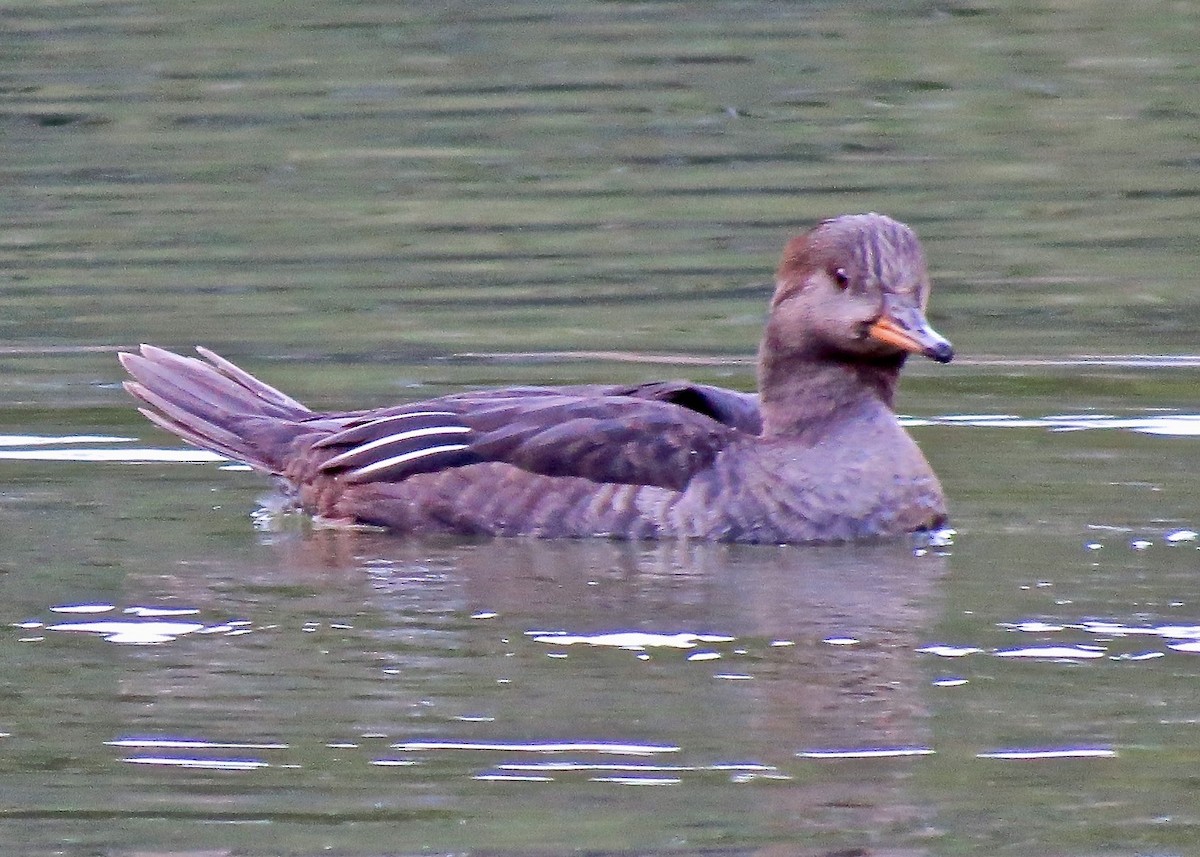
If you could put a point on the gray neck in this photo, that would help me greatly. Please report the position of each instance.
(802, 391)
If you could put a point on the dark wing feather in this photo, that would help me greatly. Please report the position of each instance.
(605, 438)
(734, 409)
(659, 433)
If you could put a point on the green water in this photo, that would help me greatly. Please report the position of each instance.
(371, 202)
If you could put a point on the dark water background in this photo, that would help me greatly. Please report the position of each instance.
(367, 202)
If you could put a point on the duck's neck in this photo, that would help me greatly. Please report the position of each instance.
(804, 391)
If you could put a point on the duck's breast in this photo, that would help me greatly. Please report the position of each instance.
(868, 481)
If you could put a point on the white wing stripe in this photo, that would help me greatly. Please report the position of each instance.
(400, 437)
(397, 460)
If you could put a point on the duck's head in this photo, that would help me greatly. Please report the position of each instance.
(855, 286)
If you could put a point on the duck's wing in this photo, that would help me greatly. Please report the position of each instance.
(734, 409)
(584, 432)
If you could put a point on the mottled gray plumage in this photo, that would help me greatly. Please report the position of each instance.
(818, 456)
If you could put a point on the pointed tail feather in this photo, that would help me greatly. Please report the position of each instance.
(214, 405)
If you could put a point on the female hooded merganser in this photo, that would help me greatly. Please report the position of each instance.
(817, 456)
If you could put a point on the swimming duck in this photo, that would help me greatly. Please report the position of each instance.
(817, 456)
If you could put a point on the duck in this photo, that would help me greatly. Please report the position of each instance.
(818, 455)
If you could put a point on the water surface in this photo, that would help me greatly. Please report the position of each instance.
(374, 202)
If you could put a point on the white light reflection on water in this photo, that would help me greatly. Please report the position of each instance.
(1052, 652)
(43, 450)
(841, 641)
(866, 753)
(161, 611)
(1023, 754)
(1174, 637)
(193, 744)
(203, 755)
(628, 640)
(949, 651)
(50, 440)
(605, 770)
(200, 764)
(1113, 630)
(1172, 425)
(1034, 627)
(596, 766)
(614, 749)
(543, 771)
(639, 781)
(146, 625)
(629, 773)
(133, 633)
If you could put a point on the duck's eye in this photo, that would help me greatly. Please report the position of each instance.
(841, 278)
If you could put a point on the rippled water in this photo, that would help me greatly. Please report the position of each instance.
(371, 202)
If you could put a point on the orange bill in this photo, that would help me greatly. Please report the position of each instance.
(906, 328)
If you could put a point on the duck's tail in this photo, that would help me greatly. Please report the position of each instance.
(215, 405)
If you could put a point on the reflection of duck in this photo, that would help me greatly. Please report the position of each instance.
(817, 456)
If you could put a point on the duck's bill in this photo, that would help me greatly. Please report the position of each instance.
(910, 332)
